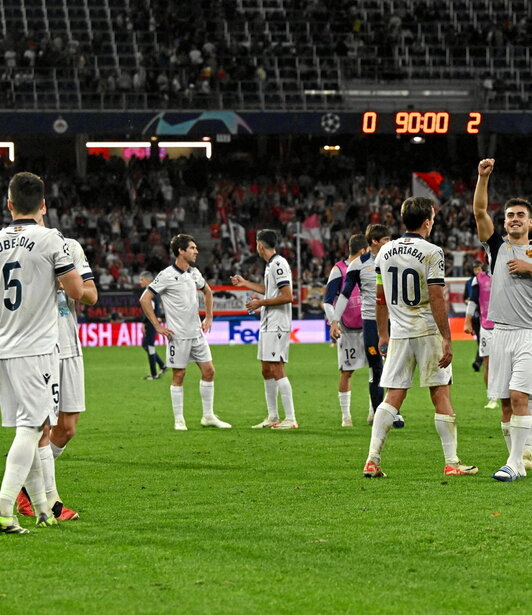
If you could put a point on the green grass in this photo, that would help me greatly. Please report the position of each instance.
(246, 521)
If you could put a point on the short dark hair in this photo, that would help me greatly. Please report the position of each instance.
(478, 264)
(519, 202)
(146, 274)
(415, 210)
(268, 237)
(180, 242)
(357, 243)
(26, 192)
(376, 232)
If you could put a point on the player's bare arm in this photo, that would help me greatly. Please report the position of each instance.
(381, 316)
(238, 280)
(284, 296)
(206, 325)
(438, 307)
(73, 284)
(90, 293)
(480, 200)
(147, 307)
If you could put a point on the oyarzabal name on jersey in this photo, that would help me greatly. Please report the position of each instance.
(20, 240)
(406, 250)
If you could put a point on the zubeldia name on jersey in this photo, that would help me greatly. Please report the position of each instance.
(405, 250)
(19, 240)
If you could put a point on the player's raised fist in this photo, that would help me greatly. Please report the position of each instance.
(485, 167)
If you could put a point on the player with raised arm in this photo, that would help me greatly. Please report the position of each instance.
(178, 287)
(410, 284)
(361, 274)
(350, 348)
(30, 260)
(149, 333)
(275, 328)
(478, 301)
(71, 387)
(510, 308)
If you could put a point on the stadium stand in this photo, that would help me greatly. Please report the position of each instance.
(257, 54)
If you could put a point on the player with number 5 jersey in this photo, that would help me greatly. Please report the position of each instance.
(31, 259)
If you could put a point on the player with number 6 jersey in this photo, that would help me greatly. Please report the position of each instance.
(178, 287)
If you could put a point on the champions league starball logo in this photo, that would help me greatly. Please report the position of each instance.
(330, 122)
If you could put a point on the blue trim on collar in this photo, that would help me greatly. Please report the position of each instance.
(413, 235)
(178, 269)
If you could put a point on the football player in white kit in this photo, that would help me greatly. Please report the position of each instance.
(410, 283)
(31, 258)
(275, 327)
(71, 389)
(510, 308)
(178, 287)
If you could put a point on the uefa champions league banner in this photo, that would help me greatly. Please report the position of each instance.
(95, 334)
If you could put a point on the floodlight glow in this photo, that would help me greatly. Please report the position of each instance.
(10, 148)
(206, 145)
(91, 144)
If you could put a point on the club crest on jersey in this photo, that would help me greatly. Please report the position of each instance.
(529, 253)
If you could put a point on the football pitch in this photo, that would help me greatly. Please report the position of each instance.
(254, 521)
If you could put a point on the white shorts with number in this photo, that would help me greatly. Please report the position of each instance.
(351, 353)
(72, 385)
(182, 352)
(29, 390)
(510, 362)
(273, 346)
(403, 356)
(484, 342)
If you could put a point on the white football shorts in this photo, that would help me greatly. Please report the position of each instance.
(72, 385)
(273, 346)
(510, 362)
(403, 356)
(29, 390)
(484, 342)
(351, 352)
(180, 353)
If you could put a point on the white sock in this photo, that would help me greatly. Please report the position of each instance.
(206, 390)
(285, 389)
(176, 393)
(446, 428)
(382, 423)
(270, 391)
(48, 472)
(56, 451)
(519, 430)
(505, 428)
(19, 461)
(35, 487)
(345, 403)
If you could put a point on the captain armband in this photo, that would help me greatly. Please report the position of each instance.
(378, 278)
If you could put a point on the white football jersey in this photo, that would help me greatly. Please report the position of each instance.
(31, 256)
(276, 275)
(69, 344)
(178, 290)
(408, 266)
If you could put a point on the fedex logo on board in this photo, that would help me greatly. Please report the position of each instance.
(247, 332)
